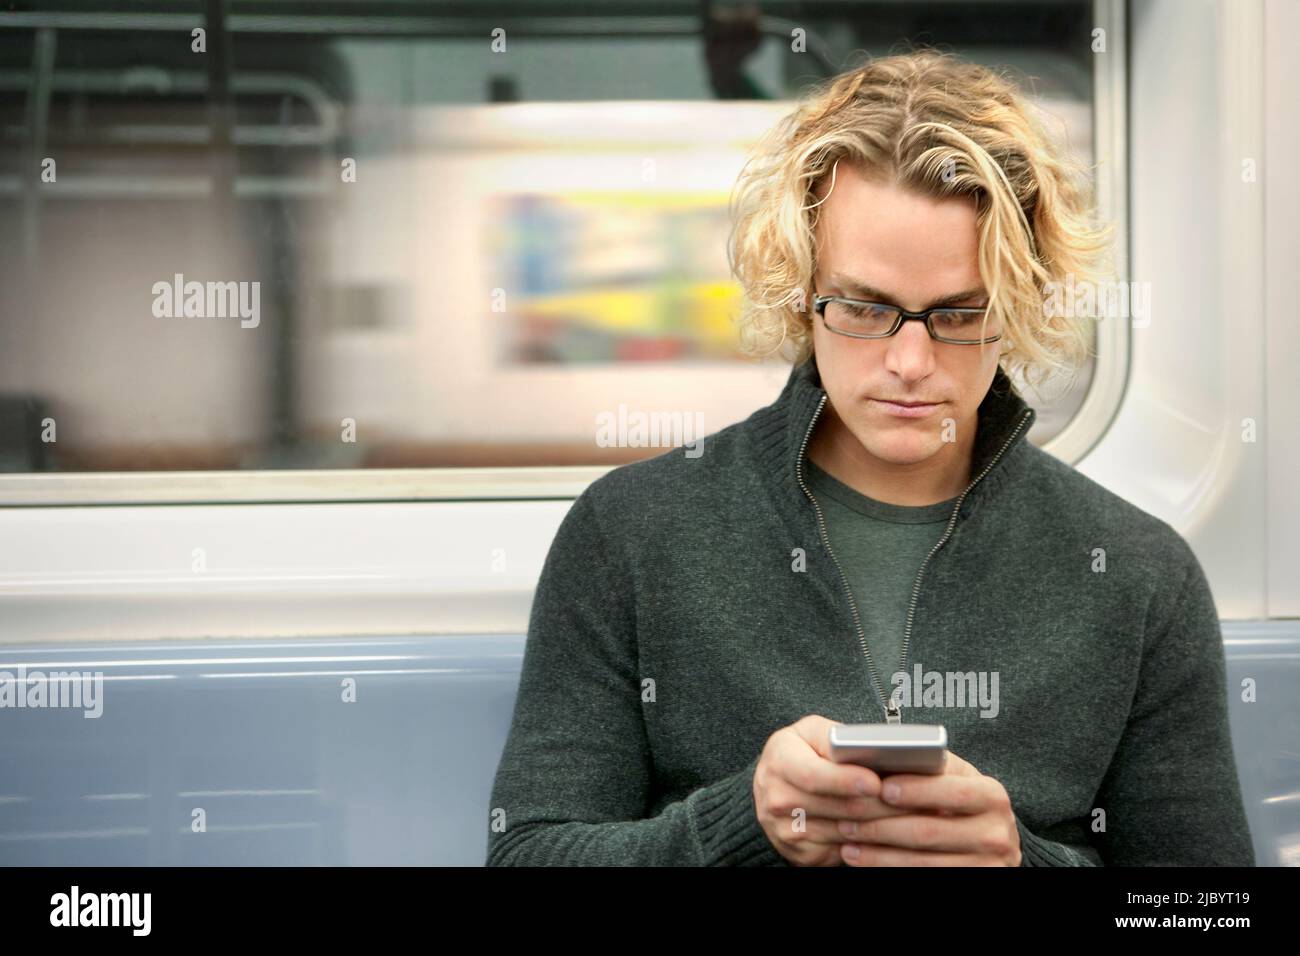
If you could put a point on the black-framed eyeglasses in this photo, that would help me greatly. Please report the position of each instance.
(860, 319)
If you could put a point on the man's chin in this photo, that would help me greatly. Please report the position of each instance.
(903, 449)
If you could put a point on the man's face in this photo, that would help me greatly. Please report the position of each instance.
(914, 252)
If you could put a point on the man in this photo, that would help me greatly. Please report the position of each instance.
(701, 622)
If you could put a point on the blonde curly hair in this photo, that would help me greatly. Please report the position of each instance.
(943, 127)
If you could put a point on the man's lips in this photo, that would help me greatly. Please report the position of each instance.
(909, 409)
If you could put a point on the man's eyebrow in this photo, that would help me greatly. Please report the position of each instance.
(862, 290)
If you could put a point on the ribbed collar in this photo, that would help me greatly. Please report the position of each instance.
(779, 431)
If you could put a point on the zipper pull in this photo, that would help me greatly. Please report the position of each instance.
(892, 712)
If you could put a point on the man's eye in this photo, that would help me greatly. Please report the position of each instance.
(867, 311)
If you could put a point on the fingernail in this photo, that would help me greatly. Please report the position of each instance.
(851, 851)
(862, 787)
(890, 791)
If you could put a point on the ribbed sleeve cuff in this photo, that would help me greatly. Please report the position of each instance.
(726, 824)
(1035, 851)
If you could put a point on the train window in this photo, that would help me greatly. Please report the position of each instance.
(265, 251)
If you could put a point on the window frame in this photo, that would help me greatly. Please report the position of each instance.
(1080, 435)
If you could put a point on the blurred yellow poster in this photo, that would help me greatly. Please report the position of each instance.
(594, 277)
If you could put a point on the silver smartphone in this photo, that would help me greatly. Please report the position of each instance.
(891, 748)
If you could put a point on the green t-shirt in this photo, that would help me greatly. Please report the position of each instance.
(880, 547)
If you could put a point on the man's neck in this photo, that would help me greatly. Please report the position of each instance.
(944, 475)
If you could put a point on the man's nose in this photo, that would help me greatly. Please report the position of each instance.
(910, 354)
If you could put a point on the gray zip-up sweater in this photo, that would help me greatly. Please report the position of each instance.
(689, 607)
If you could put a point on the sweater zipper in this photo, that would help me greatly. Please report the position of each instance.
(893, 713)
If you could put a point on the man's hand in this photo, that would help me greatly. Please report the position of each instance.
(957, 818)
(801, 795)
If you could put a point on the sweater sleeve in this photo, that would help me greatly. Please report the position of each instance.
(575, 781)
(1171, 795)
(1037, 851)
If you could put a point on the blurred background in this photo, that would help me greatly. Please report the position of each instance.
(473, 231)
